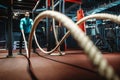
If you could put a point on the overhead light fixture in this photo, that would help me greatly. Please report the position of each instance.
(19, 0)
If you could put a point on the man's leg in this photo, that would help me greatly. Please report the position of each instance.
(20, 44)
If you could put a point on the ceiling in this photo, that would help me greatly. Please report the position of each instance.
(25, 4)
(87, 5)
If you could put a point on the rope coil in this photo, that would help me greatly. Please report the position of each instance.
(93, 53)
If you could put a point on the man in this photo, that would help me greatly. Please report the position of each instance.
(25, 27)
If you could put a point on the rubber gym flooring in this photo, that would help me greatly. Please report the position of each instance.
(75, 65)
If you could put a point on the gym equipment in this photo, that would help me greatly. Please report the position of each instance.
(80, 14)
(25, 42)
(92, 52)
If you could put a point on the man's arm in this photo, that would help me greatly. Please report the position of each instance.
(31, 21)
(21, 26)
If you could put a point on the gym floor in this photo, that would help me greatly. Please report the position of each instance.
(73, 66)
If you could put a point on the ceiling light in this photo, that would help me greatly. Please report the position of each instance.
(19, 0)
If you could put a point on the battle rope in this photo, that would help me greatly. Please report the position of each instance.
(93, 53)
(25, 42)
(54, 30)
(50, 52)
(57, 42)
